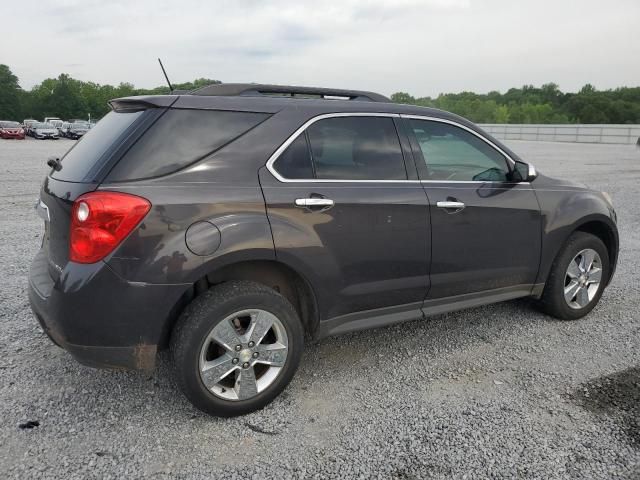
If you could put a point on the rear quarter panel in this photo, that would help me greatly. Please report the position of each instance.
(156, 252)
(222, 189)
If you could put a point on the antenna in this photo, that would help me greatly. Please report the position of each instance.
(165, 75)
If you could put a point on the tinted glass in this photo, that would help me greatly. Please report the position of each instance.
(179, 138)
(9, 125)
(78, 161)
(295, 161)
(452, 153)
(356, 148)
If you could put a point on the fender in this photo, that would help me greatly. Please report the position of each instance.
(564, 210)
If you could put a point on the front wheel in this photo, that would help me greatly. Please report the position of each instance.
(577, 278)
(236, 347)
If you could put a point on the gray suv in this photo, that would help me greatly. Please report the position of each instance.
(228, 223)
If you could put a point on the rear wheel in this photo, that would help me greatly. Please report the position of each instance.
(236, 347)
(577, 278)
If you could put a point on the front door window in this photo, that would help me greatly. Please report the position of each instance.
(454, 154)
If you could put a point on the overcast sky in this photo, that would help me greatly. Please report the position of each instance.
(423, 47)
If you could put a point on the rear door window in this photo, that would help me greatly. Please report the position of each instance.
(179, 138)
(356, 148)
(84, 155)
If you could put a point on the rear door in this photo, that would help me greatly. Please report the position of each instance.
(486, 229)
(346, 212)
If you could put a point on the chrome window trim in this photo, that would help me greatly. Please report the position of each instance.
(456, 124)
(294, 135)
(307, 124)
(475, 181)
(460, 181)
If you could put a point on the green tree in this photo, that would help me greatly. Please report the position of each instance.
(10, 95)
(403, 97)
(502, 114)
(67, 97)
(545, 104)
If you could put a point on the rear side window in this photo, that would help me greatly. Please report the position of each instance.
(179, 138)
(78, 162)
(295, 161)
(356, 148)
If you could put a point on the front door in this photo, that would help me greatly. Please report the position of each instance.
(486, 229)
(345, 214)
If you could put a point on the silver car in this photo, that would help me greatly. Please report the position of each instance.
(43, 131)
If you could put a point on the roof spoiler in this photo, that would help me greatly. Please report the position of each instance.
(134, 104)
(258, 90)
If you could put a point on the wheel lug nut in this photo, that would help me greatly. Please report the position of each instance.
(251, 344)
(255, 354)
(238, 348)
(245, 365)
(234, 361)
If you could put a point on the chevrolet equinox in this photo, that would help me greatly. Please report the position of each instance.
(230, 222)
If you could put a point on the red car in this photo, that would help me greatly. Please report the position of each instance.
(11, 130)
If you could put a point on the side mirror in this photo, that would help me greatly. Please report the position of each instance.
(524, 172)
(532, 173)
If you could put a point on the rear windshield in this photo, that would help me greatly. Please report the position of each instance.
(181, 137)
(78, 162)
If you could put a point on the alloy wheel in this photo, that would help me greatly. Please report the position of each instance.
(582, 279)
(243, 354)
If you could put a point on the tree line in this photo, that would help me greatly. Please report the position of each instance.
(545, 104)
(66, 97)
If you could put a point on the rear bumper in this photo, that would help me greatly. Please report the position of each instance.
(100, 318)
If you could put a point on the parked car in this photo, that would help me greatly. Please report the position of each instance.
(27, 125)
(74, 130)
(52, 120)
(228, 223)
(43, 131)
(62, 129)
(10, 129)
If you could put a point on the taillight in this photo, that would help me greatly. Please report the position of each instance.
(100, 221)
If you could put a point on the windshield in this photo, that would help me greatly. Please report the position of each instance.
(42, 125)
(78, 126)
(9, 125)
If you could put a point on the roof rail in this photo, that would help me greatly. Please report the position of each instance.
(254, 90)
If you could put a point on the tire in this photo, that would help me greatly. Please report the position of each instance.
(553, 300)
(215, 311)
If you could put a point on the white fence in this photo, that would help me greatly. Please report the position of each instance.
(628, 134)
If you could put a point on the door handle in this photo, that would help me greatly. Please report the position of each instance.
(450, 204)
(314, 202)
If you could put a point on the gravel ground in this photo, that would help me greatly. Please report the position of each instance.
(500, 391)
